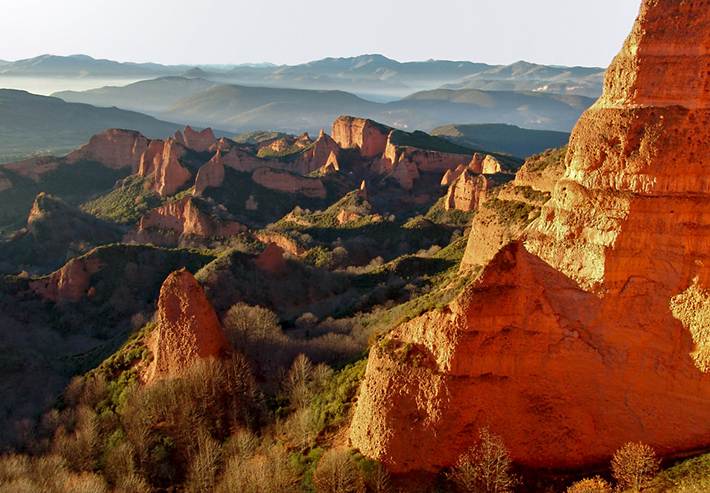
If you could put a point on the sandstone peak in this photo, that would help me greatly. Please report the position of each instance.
(271, 259)
(114, 148)
(362, 192)
(210, 174)
(468, 192)
(187, 328)
(588, 333)
(199, 141)
(285, 181)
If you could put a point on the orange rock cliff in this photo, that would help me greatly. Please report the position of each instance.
(590, 331)
(187, 329)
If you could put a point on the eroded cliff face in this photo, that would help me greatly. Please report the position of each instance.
(210, 174)
(589, 331)
(284, 181)
(468, 192)
(70, 283)
(113, 148)
(187, 329)
(184, 217)
(162, 161)
(369, 136)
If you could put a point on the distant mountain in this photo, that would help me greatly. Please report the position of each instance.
(85, 66)
(40, 124)
(243, 109)
(525, 109)
(148, 96)
(509, 139)
(525, 76)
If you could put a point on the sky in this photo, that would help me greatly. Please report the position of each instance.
(555, 32)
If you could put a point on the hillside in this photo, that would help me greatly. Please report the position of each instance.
(32, 125)
(149, 96)
(509, 139)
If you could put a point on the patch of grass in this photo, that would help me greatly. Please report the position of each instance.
(510, 211)
(439, 215)
(551, 157)
(127, 203)
(331, 406)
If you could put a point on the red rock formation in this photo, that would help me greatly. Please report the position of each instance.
(318, 155)
(369, 136)
(70, 283)
(210, 174)
(331, 166)
(187, 328)
(468, 192)
(113, 148)
(271, 259)
(241, 160)
(590, 332)
(284, 181)
(199, 141)
(451, 175)
(485, 164)
(286, 244)
(362, 192)
(184, 217)
(168, 174)
(151, 158)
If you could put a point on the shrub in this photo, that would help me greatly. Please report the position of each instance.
(590, 485)
(634, 465)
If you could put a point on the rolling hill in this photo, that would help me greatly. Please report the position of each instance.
(31, 124)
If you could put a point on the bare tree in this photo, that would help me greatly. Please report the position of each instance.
(485, 467)
(634, 465)
(337, 473)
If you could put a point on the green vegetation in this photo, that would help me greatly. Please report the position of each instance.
(439, 215)
(511, 211)
(499, 137)
(257, 137)
(125, 204)
(288, 154)
(423, 140)
(551, 157)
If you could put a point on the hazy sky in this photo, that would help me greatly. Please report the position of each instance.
(563, 32)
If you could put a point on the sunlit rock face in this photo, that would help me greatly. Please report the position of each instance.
(591, 330)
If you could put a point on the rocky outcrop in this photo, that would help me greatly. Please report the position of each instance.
(185, 217)
(331, 166)
(468, 192)
(70, 283)
(199, 141)
(590, 331)
(271, 259)
(487, 164)
(451, 175)
(286, 244)
(241, 160)
(187, 328)
(362, 191)
(211, 174)
(162, 161)
(283, 181)
(113, 148)
(542, 172)
(318, 155)
(369, 136)
(406, 163)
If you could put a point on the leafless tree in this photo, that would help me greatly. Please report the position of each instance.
(634, 465)
(485, 467)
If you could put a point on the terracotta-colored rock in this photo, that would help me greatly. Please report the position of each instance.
(591, 331)
(113, 148)
(284, 181)
(369, 136)
(70, 283)
(151, 158)
(451, 175)
(468, 192)
(199, 141)
(184, 217)
(318, 155)
(210, 174)
(241, 160)
(491, 166)
(538, 175)
(346, 216)
(362, 192)
(168, 174)
(476, 164)
(187, 328)
(331, 166)
(271, 259)
(285, 243)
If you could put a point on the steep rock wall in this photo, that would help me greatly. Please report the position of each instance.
(589, 332)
